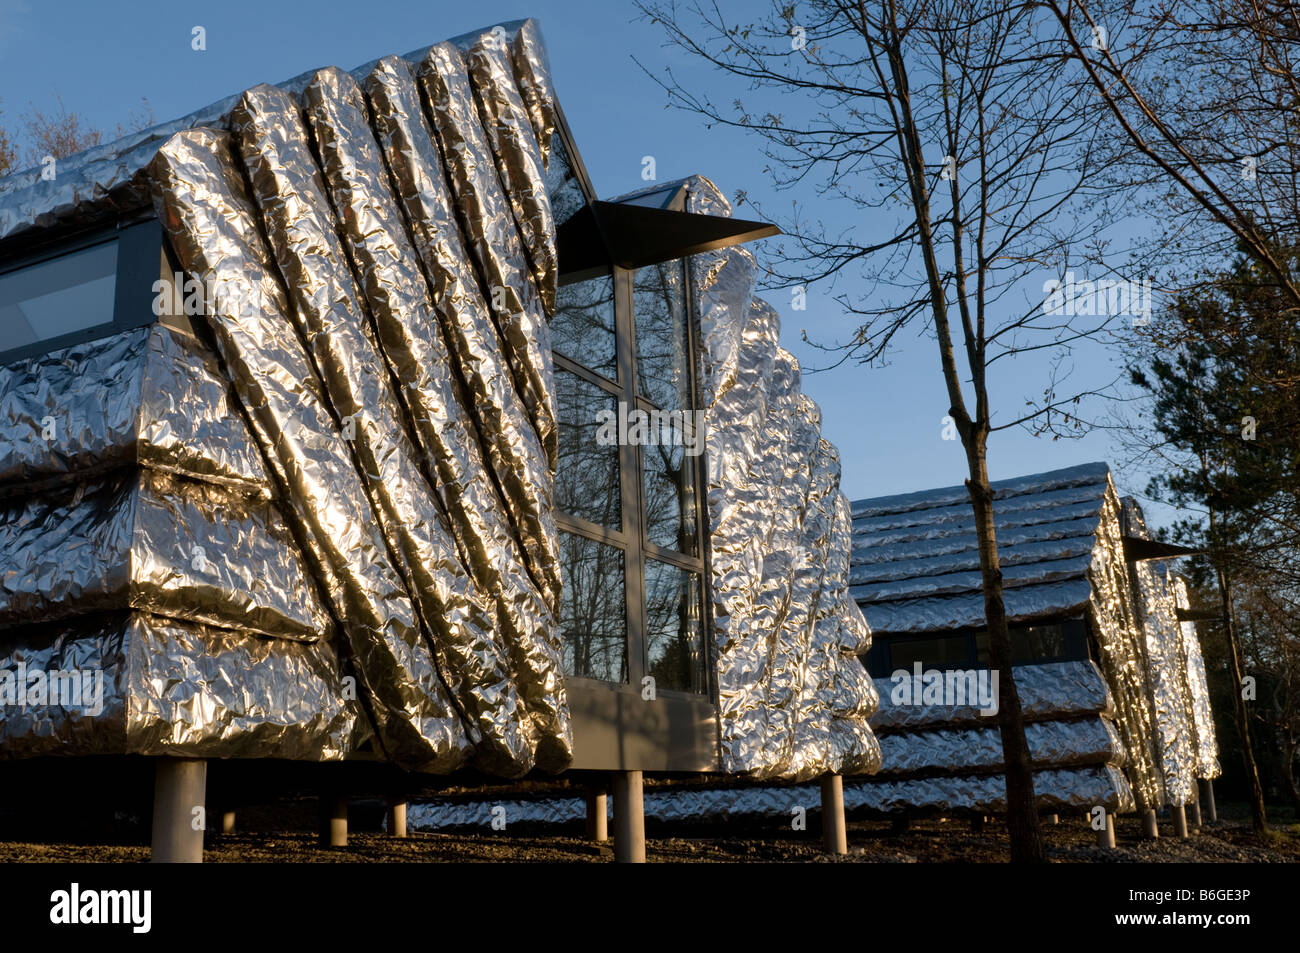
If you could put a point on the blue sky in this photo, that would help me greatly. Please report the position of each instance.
(103, 62)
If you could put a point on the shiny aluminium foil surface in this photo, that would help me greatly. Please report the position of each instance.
(145, 540)
(513, 448)
(151, 395)
(518, 159)
(491, 237)
(1167, 687)
(209, 217)
(794, 699)
(1056, 744)
(916, 555)
(1122, 658)
(1207, 748)
(533, 77)
(1051, 690)
(1080, 788)
(155, 686)
(408, 332)
(457, 618)
(1055, 789)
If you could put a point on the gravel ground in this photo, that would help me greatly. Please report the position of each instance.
(283, 834)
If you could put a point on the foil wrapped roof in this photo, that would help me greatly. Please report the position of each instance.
(1061, 545)
(916, 558)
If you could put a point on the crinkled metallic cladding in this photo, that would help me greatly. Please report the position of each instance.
(533, 77)
(216, 234)
(152, 395)
(1080, 789)
(915, 570)
(142, 539)
(513, 448)
(518, 159)
(491, 237)
(411, 340)
(1207, 748)
(794, 698)
(458, 621)
(168, 687)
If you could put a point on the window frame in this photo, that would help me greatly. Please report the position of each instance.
(141, 261)
(631, 536)
(1075, 632)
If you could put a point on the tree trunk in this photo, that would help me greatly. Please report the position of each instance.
(1022, 814)
(1258, 817)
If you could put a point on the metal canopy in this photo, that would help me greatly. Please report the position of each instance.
(1139, 549)
(616, 234)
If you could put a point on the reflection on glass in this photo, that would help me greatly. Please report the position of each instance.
(583, 327)
(593, 618)
(586, 479)
(1029, 643)
(942, 652)
(662, 344)
(674, 628)
(669, 488)
(70, 293)
(562, 186)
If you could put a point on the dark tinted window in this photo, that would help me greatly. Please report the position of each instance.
(70, 293)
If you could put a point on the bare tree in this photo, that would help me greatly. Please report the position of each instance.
(1204, 96)
(59, 134)
(968, 155)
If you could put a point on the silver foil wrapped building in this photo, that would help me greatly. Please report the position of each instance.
(1101, 662)
(340, 420)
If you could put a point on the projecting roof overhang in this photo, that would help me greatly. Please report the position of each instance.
(1136, 548)
(625, 235)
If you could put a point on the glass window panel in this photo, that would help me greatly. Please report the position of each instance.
(583, 327)
(941, 652)
(562, 186)
(674, 628)
(593, 610)
(1031, 643)
(662, 343)
(586, 479)
(65, 294)
(668, 474)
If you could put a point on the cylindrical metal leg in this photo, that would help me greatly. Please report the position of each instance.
(629, 818)
(1106, 836)
(977, 824)
(835, 836)
(227, 822)
(1053, 819)
(900, 824)
(597, 815)
(1196, 814)
(396, 817)
(1180, 820)
(1150, 824)
(179, 789)
(333, 820)
(1207, 799)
